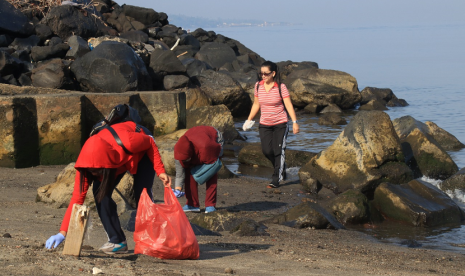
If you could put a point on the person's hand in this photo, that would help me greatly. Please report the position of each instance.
(295, 128)
(178, 193)
(165, 179)
(54, 241)
(248, 125)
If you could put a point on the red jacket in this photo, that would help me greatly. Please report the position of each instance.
(102, 151)
(200, 144)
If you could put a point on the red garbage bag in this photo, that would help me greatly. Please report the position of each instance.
(163, 230)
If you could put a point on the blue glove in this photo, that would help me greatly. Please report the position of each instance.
(178, 193)
(54, 241)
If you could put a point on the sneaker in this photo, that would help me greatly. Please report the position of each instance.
(272, 186)
(114, 248)
(209, 209)
(188, 208)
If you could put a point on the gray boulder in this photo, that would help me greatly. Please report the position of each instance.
(424, 155)
(77, 47)
(252, 154)
(216, 54)
(305, 215)
(25, 43)
(383, 95)
(195, 67)
(287, 67)
(374, 104)
(54, 74)
(222, 89)
(329, 119)
(40, 53)
(322, 87)
(417, 203)
(13, 21)
(111, 67)
(144, 15)
(217, 116)
(67, 20)
(172, 82)
(350, 207)
(366, 153)
(454, 186)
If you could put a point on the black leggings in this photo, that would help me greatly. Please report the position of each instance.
(273, 140)
(107, 210)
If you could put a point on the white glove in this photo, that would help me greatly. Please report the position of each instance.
(248, 125)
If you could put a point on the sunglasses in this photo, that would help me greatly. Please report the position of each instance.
(265, 74)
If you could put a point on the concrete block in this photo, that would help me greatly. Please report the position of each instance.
(59, 128)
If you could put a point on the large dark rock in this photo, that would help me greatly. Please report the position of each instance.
(13, 21)
(111, 67)
(287, 67)
(189, 39)
(43, 32)
(39, 53)
(307, 214)
(172, 82)
(195, 67)
(423, 153)
(454, 185)
(217, 116)
(134, 35)
(384, 95)
(252, 154)
(350, 207)
(417, 203)
(165, 61)
(9, 65)
(143, 15)
(67, 20)
(54, 74)
(77, 47)
(329, 119)
(222, 89)
(357, 158)
(216, 54)
(25, 43)
(322, 87)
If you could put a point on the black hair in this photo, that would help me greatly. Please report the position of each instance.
(108, 181)
(273, 67)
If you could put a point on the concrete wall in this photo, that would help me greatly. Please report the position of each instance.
(50, 129)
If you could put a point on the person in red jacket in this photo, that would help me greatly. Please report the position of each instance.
(103, 163)
(199, 145)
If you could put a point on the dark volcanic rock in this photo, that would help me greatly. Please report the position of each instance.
(111, 67)
(53, 74)
(66, 21)
(40, 53)
(13, 21)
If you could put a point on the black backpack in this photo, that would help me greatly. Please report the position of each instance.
(120, 113)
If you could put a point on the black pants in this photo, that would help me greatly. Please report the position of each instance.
(107, 210)
(273, 140)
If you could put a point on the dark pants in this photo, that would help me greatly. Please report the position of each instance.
(273, 140)
(107, 207)
(192, 192)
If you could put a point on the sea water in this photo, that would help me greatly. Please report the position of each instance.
(423, 64)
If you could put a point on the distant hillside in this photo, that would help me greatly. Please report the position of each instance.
(189, 22)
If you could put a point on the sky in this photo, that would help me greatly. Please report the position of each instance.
(318, 12)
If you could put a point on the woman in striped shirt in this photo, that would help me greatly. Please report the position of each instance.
(273, 100)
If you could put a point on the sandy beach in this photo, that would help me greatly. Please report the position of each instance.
(25, 226)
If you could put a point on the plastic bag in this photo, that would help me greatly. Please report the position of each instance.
(202, 173)
(163, 230)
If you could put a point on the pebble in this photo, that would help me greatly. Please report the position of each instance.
(228, 270)
(7, 235)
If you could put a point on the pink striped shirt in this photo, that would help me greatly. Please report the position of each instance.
(271, 105)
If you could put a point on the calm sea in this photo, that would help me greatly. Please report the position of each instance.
(424, 64)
